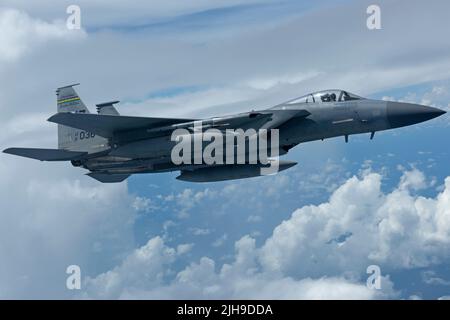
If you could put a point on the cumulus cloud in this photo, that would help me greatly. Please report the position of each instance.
(145, 205)
(144, 267)
(414, 180)
(395, 230)
(239, 280)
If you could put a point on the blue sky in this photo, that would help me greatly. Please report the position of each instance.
(309, 232)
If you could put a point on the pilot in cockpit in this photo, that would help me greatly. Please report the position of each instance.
(328, 97)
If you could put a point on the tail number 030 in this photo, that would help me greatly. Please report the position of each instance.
(86, 135)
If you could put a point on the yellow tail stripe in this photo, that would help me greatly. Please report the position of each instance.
(69, 100)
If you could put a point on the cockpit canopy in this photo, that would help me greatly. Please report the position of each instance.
(326, 96)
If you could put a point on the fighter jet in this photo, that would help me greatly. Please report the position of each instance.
(113, 147)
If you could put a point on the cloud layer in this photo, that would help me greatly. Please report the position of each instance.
(321, 251)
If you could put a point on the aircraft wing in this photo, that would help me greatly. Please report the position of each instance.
(107, 125)
(265, 119)
(46, 154)
(110, 126)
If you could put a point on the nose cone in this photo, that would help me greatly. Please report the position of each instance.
(404, 114)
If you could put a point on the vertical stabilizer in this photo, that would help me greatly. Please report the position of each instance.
(70, 138)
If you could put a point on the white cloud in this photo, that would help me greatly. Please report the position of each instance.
(230, 67)
(20, 33)
(439, 90)
(239, 280)
(430, 277)
(52, 218)
(414, 179)
(112, 13)
(144, 267)
(184, 248)
(200, 232)
(144, 204)
(396, 230)
(291, 79)
(281, 268)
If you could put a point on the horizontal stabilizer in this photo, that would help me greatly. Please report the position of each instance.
(108, 178)
(46, 154)
(107, 125)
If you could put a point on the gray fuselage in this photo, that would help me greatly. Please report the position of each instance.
(325, 120)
